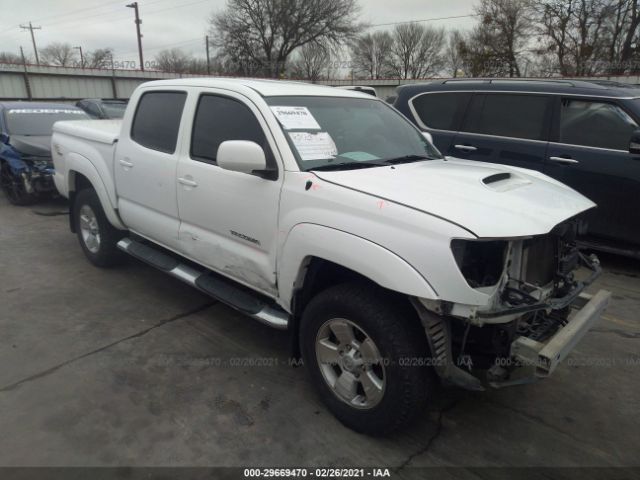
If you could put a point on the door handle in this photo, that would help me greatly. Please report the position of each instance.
(465, 148)
(125, 163)
(566, 161)
(187, 183)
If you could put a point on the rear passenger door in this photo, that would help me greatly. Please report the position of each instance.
(145, 166)
(506, 128)
(589, 152)
(440, 114)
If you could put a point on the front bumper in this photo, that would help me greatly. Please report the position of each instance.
(38, 180)
(540, 359)
(528, 360)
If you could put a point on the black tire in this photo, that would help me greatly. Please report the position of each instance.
(398, 336)
(104, 253)
(13, 188)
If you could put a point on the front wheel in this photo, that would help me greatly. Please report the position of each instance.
(363, 349)
(98, 238)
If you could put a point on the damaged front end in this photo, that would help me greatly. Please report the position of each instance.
(24, 178)
(536, 313)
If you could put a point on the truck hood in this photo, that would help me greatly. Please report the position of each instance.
(35, 145)
(486, 199)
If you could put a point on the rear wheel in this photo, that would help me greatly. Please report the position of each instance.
(360, 346)
(13, 187)
(98, 238)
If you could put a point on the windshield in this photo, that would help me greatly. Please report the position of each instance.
(114, 110)
(327, 132)
(39, 121)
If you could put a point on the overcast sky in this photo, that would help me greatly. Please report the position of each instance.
(171, 23)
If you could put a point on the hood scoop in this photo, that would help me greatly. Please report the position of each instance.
(498, 177)
(504, 181)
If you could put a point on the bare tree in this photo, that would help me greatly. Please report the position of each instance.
(174, 60)
(266, 32)
(416, 51)
(505, 27)
(555, 22)
(622, 20)
(58, 54)
(8, 57)
(99, 58)
(453, 57)
(371, 54)
(311, 62)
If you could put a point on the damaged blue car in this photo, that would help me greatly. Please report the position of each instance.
(26, 168)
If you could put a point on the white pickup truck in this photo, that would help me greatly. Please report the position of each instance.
(327, 213)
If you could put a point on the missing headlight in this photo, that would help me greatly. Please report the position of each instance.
(481, 262)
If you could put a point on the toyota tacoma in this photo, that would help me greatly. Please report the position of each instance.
(325, 212)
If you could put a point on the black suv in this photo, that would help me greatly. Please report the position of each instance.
(583, 133)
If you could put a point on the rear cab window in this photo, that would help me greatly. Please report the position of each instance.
(157, 120)
(441, 110)
(520, 116)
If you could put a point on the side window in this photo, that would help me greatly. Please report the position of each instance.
(219, 119)
(595, 124)
(157, 120)
(506, 115)
(441, 111)
(93, 110)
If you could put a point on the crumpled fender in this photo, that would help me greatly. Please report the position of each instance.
(350, 251)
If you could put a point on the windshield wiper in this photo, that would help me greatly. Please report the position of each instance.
(407, 159)
(347, 166)
(373, 163)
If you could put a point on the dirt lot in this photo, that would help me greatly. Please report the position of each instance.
(131, 367)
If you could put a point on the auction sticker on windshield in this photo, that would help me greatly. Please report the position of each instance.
(314, 146)
(295, 118)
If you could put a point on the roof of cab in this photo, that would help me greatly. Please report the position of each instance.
(266, 88)
(595, 88)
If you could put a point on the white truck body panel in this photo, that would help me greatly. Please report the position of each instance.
(393, 225)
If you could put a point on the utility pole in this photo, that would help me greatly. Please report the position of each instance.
(25, 75)
(81, 56)
(31, 28)
(208, 59)
(134, 5)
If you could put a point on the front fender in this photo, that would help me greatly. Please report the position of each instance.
(350, 251)
(13, 160)
(77, 164)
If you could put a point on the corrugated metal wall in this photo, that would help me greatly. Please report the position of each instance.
(18, 82)
(68, 84)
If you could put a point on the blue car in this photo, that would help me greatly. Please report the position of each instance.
(26, 168)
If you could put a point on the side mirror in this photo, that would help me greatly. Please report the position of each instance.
(428, 136)
(241, 156)
(634, 143)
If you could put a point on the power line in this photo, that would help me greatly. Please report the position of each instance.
(423, 20)
(82, 20)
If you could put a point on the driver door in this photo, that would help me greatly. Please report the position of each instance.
(228, 220)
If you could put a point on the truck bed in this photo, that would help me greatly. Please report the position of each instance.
(102, 131)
